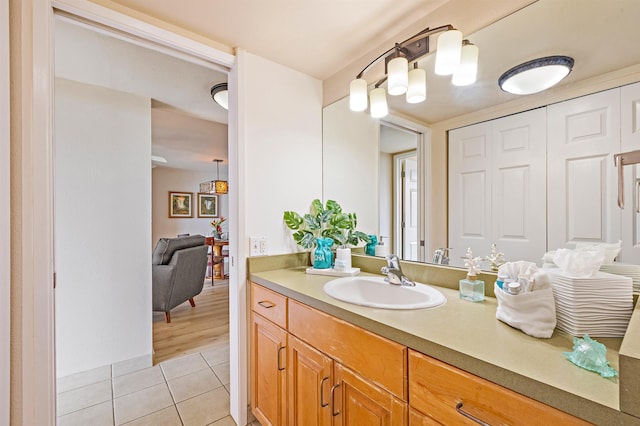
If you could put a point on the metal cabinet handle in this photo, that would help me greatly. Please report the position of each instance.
(266, 304)
(280, 350)
(322, 403)
(469, 416)
(333, 400)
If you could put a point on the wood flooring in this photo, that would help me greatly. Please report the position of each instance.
(194, 329)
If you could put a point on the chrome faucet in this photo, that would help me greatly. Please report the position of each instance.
(394, 273)
(441, 256)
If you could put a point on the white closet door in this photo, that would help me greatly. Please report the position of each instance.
(410, 210)
(583, 135)
(469, 191)
(519, 185)
(630, 137)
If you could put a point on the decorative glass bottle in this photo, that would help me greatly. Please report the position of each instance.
(471, 288)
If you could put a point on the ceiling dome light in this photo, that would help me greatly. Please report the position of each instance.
(536, 75)
(220, 94)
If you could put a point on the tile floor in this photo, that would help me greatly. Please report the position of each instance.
(189, 390)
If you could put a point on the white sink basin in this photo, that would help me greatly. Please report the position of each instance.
(376, 293)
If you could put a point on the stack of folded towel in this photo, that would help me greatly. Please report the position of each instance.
(626, 269)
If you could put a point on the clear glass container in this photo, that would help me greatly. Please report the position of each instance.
(472, 289)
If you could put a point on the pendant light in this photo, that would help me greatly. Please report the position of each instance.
(215, 186)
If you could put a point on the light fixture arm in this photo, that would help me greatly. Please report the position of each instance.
(426, 33)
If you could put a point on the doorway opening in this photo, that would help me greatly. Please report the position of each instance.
(400, 189)
(118, 102)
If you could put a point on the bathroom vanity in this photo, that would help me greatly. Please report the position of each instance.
(324, 361)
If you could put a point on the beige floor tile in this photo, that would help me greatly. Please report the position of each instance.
(204, 409)
(96, 415)
(84, 378)
(216, 356)
(184, 365)
(227, 421)
(222, 371)
(139, 380)
(131, 365)
(166, 417)
(141, 403)
(194, 384)
(84, 397)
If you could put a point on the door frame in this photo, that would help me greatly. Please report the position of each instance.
(34, 395)
(424, 176)
(5, 212)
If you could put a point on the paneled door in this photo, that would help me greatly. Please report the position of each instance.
(469, 191)
(497, 187)
(518, 194)
(583, 134)
(630, 138)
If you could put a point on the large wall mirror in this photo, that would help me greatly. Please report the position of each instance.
(359, 168)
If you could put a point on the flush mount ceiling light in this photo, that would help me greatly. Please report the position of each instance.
(536, 75)
(454, 56)
(215, 186)
(220, 94)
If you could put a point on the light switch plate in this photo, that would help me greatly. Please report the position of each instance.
(258, 246)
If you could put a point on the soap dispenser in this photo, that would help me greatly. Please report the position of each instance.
(381, 249)
(471, 288)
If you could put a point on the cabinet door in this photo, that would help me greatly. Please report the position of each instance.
(357, 402)
(416, 418)
(583, 135)
(268, 371)
(309, 378)
(630, 136)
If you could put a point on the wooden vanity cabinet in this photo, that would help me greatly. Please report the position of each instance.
(268, 356)
(443, 394)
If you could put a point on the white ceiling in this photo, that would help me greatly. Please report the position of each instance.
(320, 37)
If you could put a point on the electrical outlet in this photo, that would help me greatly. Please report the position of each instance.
(263, 246)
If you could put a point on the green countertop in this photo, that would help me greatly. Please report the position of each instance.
(468, 336)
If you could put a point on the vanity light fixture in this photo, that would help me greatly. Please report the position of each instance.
(215, 186)
(536, 75)
(454, 56)
(220, 94)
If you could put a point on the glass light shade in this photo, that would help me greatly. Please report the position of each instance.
(448, 52)
(222, 98)
(221, 186)
(417, 91)
(536, 76)
(358, 94)
(379, 106)
(398, 79)
(207, 187)
(468, 69)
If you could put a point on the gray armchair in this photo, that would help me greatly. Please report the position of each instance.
(178, 267)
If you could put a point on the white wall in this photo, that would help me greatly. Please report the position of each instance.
(102, 226)
(350, 155)
(283, 148)
(167, 179)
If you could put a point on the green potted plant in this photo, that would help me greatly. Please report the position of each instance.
(326, 221)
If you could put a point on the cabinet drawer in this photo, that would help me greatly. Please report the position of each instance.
(378, 359)
(269, 304)
(437, 388)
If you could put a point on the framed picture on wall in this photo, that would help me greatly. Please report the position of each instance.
(207, 205)
(180, 204)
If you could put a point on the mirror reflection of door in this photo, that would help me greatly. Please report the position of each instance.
(399, 190)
